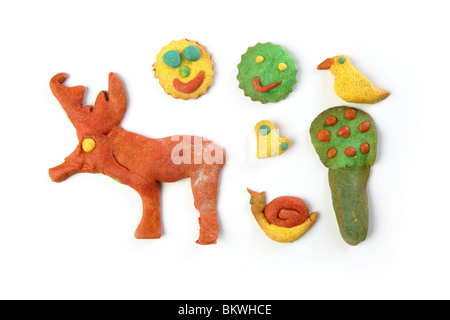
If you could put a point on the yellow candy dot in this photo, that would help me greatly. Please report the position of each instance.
(88, 145)
(259, 59)
(282, 66)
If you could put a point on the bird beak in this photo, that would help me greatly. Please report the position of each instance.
(326, 64)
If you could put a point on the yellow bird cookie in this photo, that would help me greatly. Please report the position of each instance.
(350, 84)
(269, 143)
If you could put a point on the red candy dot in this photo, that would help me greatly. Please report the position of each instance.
(331, 121)
(323, 136)
(344, 132)
(331, 153)
(350, 114)
(364, 127)
(350, 152)
(365, 148)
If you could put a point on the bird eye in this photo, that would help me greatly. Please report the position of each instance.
(341, 60)
(192, 53)
(172, 58)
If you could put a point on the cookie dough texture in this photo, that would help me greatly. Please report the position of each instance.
(185, 67)
(271, 64)
(284, 219)
(353, 120)
(268, 141)
(350, 84)
(346, 140)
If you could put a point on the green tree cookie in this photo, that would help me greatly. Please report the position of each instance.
(267, 73)
(346, 140)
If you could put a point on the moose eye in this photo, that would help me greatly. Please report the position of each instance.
(192, 53)
(172, 58)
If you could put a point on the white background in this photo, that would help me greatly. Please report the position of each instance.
(74, 240)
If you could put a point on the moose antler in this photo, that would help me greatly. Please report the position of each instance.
(114, 103)
(108, 109)
(71, 99)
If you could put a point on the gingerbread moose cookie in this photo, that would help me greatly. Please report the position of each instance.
(346, 141)
(139, 162)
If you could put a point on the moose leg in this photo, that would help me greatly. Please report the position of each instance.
(150, 225)
(204, 183)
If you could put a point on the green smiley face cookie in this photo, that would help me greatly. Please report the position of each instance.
(267, 73)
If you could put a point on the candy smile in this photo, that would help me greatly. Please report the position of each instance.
(258, 87)
(190, 86)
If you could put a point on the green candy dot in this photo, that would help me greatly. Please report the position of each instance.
(264, 130)
(261, 200)
(192, 53)
(172, 58)
(185, 71)
(284, 145)
(341, 60)
(252, 202)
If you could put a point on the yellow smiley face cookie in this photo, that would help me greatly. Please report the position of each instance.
(184, 69)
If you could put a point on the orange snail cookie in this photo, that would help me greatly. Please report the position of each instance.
(284, 219)
(184, 69)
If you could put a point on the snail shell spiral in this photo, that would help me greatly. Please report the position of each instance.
(287, 212)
